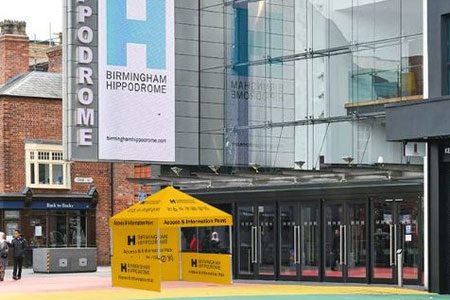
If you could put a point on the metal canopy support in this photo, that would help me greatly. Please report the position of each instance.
(180, 261)
(312, 121)
(231, 252)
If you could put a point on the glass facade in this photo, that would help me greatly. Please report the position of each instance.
(285, 81)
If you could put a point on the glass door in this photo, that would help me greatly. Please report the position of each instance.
(345, 241)
(383, 241)
(246, 241)
(396, 226)
(357, 243)
(310, 241)
(409, 239)
(266, 240)
(299, 241)
(334, 241)
(289, 241)
(256, 241)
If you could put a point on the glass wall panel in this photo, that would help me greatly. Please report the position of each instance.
(386, 75)
(411, 18)
(300, 25)
(363, 21)
(338, 92)
(361, 79)
(319, 23)
(412, 66)
(289, 63)
(340, 23)
(386, 19)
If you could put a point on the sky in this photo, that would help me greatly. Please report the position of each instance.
(43, 17)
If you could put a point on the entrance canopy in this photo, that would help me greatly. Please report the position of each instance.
(146, 242)
(172, 208)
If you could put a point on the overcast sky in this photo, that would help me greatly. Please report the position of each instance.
(40, 15)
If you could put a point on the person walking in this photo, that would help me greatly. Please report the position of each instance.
(3, 255)
(19, 244)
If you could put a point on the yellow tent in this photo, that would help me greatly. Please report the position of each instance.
(147, 235)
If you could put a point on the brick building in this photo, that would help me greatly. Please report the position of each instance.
(38, 192)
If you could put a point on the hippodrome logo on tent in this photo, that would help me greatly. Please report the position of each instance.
(149, 32)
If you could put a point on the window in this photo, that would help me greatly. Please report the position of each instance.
(45, 167)
(60, 229)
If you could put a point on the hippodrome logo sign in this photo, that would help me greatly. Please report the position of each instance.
(85, 116)
(147, 32)
(137, 80)
(120, 74)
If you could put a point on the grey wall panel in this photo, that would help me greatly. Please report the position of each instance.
(209, 63)
(192, 4)
(187, 47)
(211, 141)
(185, 124)
(186, 156)
(210, 49)
(187, 32)
(212, 111)
(212, 80)
(186, 16)
(211, 95)
(187, 140)
(212, 34)
(186, 109)
(436, 9)
(212, 19)
(212, 125)
(211, 157)
(416, 121)
(186, 62)
(186, 78)
(186, 93)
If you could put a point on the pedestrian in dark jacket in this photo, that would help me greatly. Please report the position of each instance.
(3, 255)
(18, 245)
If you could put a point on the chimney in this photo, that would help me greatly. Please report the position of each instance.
(14, 50)
(54, 55)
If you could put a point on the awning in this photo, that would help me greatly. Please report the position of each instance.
(171, 208)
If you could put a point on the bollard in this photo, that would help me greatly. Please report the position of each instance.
(400, 267)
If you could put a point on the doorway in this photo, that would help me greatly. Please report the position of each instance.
(256, 241)
(396, 225)
(345, 241)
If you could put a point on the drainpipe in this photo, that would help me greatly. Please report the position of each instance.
(111, 182)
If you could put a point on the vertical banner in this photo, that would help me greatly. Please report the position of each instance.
(140, 245)
(206, 267)
(135, 262)
(80, 85)
(132, 272)
(136, 80)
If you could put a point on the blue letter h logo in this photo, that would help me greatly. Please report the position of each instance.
(151, 33)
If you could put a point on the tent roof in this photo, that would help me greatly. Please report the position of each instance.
(172, 208)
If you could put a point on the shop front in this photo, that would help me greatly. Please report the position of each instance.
(49, 221)
(328, 232)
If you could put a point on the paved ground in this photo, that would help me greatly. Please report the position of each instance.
(97, 286)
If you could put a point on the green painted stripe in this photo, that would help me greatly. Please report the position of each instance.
(322, 297)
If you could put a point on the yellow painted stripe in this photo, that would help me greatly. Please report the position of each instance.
(240, 290)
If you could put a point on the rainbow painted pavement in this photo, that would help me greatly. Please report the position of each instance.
(98, 286)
